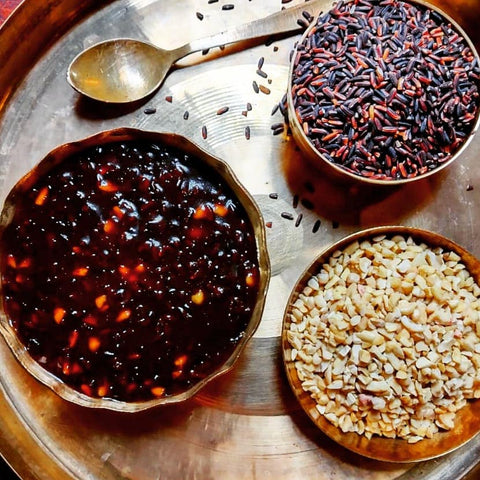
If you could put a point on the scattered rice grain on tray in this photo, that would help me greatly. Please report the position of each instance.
(386, 338)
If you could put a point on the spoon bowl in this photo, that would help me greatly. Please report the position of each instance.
(119, 70)
(125, 70)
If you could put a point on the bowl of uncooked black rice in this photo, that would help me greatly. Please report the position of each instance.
(384, 91)
(381, 343)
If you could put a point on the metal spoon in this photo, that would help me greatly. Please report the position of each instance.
(125, 70)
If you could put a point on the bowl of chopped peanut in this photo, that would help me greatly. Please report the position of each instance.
(380, 343)
(133, 269)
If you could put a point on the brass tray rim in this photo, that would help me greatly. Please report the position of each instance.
(16, 436)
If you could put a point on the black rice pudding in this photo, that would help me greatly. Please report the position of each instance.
(129, 270)
(385, 89)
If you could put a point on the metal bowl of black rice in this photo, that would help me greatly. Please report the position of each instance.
(384, 91)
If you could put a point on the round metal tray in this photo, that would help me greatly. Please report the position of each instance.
(246, 424)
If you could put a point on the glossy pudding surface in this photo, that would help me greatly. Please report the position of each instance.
(129, 271)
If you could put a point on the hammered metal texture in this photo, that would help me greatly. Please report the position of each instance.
(247, 424)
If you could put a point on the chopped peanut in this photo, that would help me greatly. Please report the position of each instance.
(198, 297)
(25, 263)
(73, 338)
(181, 360)
(118, 212)
(101, 302)
(80, 272)
(157, 391)
(107, 186)
(109, 226)
(102, 390)
(220, 210)
(66, 368)
(124, 271)
(58, 315)
(86, 389)
(381, 328)
(124, 315)
(11, 262)
(202, 212)
(94, 344)
(42, 196)
(250, 279)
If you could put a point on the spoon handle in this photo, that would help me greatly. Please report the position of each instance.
(280, 22)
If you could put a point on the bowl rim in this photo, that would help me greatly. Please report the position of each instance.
(66, 150)
(393, 450)
(315, 157)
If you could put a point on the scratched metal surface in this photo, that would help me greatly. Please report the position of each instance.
(247, 424)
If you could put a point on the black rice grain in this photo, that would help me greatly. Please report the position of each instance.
(222, 110)
(264, 89)
(303, 23)
(295, 201)
(316, 226)
(278, 130)
(299, 219)
(269, 41)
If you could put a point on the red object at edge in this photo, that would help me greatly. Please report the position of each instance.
(6, 7)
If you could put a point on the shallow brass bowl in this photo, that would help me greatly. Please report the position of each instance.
(338, 172)
(382, 448)
(118, 135)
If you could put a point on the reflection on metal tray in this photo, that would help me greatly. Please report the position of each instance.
(246, 424)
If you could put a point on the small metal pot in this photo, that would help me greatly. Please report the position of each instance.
(343, 174)
(61, 153)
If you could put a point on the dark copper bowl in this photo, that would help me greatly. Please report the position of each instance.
(381, 448)
(338, 172)
(125, 134)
